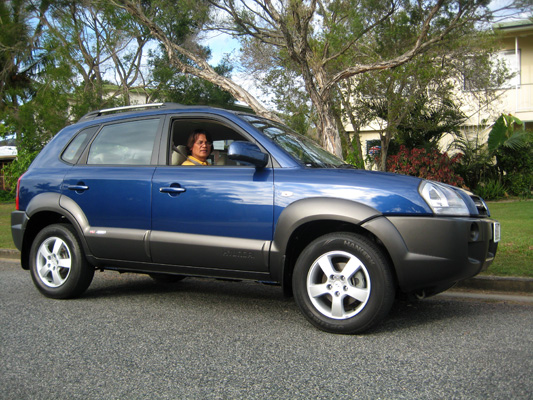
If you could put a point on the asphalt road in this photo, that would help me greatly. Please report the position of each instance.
(130, 338)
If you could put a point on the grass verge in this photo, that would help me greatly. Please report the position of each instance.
(515, 251)
(6, 241)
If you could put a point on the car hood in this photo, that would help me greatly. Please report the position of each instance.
(386, 192)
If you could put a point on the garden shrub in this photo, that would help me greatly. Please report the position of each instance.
(14, 170)
(516, 168)
(520, 184)
(491, 190)
(427, 164)
(6, 196)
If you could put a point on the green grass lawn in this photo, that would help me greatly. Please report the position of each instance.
(515, 251)
(6, 242)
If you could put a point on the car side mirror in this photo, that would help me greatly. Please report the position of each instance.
(247, 152)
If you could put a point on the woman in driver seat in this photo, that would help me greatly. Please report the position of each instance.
(200, 146)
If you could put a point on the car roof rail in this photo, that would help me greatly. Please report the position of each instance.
(107, 111)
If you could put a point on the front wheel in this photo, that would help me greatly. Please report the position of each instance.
(57, 264)
(343, 283)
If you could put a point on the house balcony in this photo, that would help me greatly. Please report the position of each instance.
(523, 98)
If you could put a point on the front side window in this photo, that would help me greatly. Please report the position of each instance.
(220, 136)
(125, 143)
(301, 148)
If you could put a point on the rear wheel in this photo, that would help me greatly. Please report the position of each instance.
(343, 283)
(57, 264)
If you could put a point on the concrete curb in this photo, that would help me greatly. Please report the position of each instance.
(484, 296)
(497, 284)
(479, 283)
(10, 253)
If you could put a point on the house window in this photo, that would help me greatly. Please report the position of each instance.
(511, 59)
(373, 147)
(490, 78)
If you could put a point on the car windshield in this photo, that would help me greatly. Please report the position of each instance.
(298, 146)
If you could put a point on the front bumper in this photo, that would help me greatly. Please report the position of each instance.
(436, 252)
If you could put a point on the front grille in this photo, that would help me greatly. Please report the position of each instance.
(480, 205)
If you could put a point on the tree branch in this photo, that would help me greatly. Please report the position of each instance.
(202, 69)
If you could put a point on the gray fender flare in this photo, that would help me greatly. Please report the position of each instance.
(308, 210)
(65, 206)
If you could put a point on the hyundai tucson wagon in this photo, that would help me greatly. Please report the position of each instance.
(110, 193)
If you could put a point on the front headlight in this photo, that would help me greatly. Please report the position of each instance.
(442, 199)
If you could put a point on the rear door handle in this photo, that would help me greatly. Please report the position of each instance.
(78, 188)
(172, 190)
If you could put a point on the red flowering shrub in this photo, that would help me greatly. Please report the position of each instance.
(427, 164)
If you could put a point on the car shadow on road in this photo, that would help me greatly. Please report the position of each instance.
(118, 285)
(265, 299)
(426, 312)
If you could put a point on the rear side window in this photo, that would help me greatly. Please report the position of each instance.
(129, 142)
(73, 151)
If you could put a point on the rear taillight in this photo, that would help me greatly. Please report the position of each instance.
(17, 196)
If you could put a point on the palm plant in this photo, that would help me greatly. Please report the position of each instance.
(508, 132)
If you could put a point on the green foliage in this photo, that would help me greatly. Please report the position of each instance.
(491, 190)
(516, 169)
(352, 159)
(512, 146)
(365, 45)
(416, 103)
(520, 185)
(427, 122)
(506, 134)
(476, 162)
(7, 196)
(13, 171)
(174, 86)
(55, 57)
(427, 164)
(279, 78)
(502, 167)
(17, 63)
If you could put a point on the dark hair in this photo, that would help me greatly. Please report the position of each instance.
(193, 137)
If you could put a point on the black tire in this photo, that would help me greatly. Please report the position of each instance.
(57, 264)
(343, 283)
(167, 278)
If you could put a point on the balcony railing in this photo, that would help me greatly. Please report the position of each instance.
(521, 98)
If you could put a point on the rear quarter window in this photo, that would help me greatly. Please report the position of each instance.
(75, 148)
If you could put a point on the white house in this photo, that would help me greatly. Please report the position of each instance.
(514, 97)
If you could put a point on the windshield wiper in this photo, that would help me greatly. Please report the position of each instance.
(346, 166)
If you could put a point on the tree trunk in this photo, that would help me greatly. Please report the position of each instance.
(385, 140)
(327, 127)
(327, 123)
(356, 128)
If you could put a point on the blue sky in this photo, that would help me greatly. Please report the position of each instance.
(221, 44)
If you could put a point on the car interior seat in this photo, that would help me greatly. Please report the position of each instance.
(179, 154)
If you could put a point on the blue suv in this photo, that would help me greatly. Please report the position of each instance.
(110, 192)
